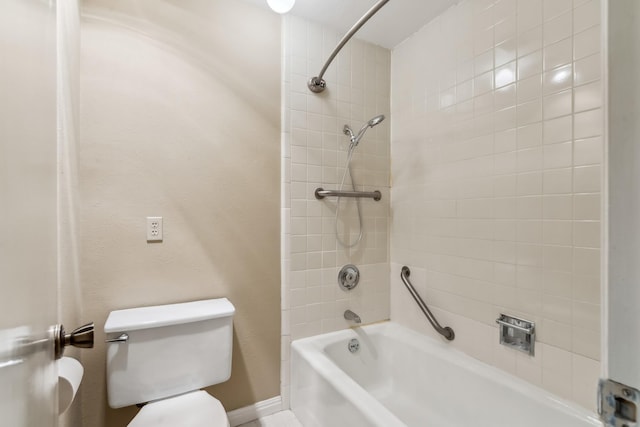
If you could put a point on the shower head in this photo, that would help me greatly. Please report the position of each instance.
(355, 139)
(376, 120)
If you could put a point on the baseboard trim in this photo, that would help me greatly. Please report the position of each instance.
(253, 412)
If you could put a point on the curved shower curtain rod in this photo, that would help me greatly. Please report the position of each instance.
(317, 84)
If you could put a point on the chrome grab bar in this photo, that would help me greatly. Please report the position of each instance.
(446, 332)
(321, 193)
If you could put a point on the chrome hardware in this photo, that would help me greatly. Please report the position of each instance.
(352, 317)
(321, 193)
(618, 404)
(446, 331)
(517, 333)
(317, 84)
(81, 337)
(354, 345)
(120, 338)
(348, 277)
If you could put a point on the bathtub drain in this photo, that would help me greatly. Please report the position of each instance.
(353, 345)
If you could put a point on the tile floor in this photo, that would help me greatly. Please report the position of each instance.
(280, 419)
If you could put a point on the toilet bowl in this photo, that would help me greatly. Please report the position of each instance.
(197, 408)
(162, 356)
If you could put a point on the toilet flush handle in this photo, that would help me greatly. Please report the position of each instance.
(119, 339)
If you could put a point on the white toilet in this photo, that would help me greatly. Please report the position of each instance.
(164, 355)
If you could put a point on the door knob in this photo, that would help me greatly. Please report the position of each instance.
(81, 337)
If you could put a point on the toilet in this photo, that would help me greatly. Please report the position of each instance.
(162, 356)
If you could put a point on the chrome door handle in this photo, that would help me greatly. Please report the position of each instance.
(81, 337)
(121, 338)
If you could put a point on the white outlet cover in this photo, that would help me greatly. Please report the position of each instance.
(154, 229)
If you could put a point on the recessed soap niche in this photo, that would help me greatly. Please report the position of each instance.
(518, 334)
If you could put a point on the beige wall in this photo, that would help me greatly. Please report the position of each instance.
(497, 150)
(180, 116)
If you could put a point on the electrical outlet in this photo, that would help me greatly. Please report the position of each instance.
(154, 229)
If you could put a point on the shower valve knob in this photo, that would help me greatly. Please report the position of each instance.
(348, 277)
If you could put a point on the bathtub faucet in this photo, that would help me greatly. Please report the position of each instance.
(350, 315)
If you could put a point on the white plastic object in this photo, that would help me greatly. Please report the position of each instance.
(70, 373)
(196, 409)
(154, 229)
(171, 350)
(156, 316)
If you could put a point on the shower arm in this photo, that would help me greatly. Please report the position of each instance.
(317, 84)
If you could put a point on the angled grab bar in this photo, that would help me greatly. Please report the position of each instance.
(446, 332)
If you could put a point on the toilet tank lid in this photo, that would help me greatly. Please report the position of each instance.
(133, 319)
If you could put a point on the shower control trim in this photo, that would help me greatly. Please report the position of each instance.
(348, 277)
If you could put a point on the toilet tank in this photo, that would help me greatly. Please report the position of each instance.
(169, 350)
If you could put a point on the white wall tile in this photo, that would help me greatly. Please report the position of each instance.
(558, 79)
(557, 232)
(588, 96)
(558, 130)
(585, 375)
(586, 16)
(554, 8)
(516, 149)
(557, 28)
(559, 155)
(587, 69)
(586, 43)
(558, 104)
(587, 179)
(558, 54)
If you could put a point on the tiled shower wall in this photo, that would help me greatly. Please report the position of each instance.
(497, 152)
(314, 155)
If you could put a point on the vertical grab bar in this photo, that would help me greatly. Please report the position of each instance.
(446, 332)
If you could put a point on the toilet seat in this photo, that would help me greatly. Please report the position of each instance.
(194, 409)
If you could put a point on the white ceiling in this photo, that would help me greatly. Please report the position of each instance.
(396, 21)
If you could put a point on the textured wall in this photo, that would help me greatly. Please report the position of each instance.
(180, 118)
(69, 285)
(496, 149)
(314, 155)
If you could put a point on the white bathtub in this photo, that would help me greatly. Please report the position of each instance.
(401, 378)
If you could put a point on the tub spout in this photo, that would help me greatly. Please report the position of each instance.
(350, 315)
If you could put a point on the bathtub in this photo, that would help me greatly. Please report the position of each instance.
(400, 378)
